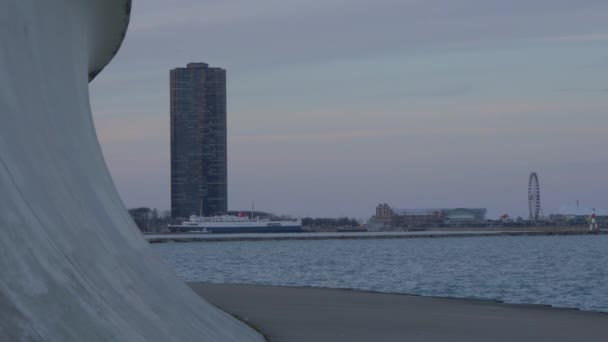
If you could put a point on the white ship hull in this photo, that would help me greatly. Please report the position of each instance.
(233, 227)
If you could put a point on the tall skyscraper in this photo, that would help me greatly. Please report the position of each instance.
(199, 170)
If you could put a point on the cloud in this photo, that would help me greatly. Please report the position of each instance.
(371, 92)
(593, 37)
(362, 135)
(583, 90)
(195, 12)
(126, 130)
(440, 91)
(267, 33)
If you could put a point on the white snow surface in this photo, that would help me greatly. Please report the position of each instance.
(73, 266)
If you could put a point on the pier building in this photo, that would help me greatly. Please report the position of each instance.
(389, 217)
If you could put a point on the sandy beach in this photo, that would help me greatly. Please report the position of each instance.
(288, 314)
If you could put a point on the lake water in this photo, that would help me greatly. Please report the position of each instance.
(568, 271)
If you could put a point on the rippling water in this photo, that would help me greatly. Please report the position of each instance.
(565, 271)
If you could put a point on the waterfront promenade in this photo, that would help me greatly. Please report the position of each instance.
(286, 314)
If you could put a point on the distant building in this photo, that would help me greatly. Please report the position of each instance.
(463, 216)
(387, 217)
(418, 217)
(574, 215)
(384, 211)
(199, 170)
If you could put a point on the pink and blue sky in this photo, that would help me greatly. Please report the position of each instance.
(337, 105)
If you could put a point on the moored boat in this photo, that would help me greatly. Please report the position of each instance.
(229, 224)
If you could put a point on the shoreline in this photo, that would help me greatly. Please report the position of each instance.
(324, 314)
(447, 298)
(467, 299)
(187, 237)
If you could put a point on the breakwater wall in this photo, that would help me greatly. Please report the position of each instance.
(164, 238)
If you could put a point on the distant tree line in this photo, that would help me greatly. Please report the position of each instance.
(150, 219)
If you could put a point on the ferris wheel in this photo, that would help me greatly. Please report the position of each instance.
(534, 198)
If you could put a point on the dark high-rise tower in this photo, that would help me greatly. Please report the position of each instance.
(199, 171)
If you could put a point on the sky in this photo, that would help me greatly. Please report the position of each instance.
(335, 106)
